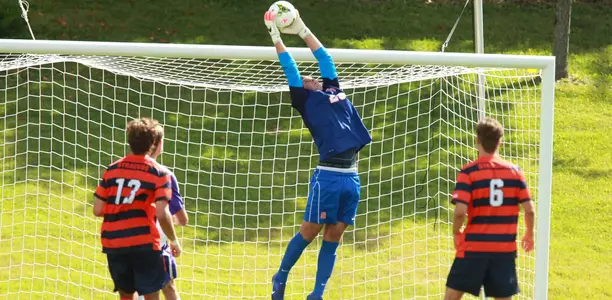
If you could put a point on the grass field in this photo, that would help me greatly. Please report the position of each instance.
(395, 245)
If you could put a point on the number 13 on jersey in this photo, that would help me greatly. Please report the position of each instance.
(134, 184)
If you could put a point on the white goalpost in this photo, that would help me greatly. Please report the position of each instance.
(243, 160)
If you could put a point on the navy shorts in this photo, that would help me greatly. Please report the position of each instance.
(498, 276)
(333, 197)
(141, 271)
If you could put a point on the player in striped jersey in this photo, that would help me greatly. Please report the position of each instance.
(489, 190)
(133, 193)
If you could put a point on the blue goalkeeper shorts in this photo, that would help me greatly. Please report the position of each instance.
(334, 196)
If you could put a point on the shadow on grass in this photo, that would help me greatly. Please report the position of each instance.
(601, 71)
(576, 167)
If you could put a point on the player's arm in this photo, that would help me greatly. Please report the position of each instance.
(459, 217)
(462, 196)
(326, 63)
(163, 194)
(165, 219)
(181, 218)
(529, 210)
(98, 208)
(296, 86)
(177, 205)
(100, 196)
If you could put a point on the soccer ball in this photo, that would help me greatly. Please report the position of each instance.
(285, 13)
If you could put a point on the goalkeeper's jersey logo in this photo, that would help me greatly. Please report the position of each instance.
(335, 98)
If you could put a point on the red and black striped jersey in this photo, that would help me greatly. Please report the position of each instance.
(130, 187)
(493, 190)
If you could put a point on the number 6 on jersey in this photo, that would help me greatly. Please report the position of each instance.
(496, 195)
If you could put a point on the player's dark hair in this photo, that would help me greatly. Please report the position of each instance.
(489, 132)
(143, 135)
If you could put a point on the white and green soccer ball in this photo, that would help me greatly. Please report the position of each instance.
(285, 13)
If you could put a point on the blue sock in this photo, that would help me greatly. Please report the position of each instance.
(325, 267)
(292, 254)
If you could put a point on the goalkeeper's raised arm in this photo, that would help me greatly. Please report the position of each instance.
(326, 64)
(297, 83)
(297, 86)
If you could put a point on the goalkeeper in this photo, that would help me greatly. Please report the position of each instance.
(339, 134)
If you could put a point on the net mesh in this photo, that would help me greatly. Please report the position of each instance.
(242, 75)
(243, 160)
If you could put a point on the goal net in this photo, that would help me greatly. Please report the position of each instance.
(243, 159)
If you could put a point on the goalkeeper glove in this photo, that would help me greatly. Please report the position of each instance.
(269, 18)
(297, 27)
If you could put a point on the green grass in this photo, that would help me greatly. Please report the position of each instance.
(48, 240)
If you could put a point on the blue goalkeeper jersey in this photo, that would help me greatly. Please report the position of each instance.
(331, 118)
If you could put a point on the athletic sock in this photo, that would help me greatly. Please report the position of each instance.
(292, 254)
(325, 267)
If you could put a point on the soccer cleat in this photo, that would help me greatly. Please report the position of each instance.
(278, 289)
(311, 297)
